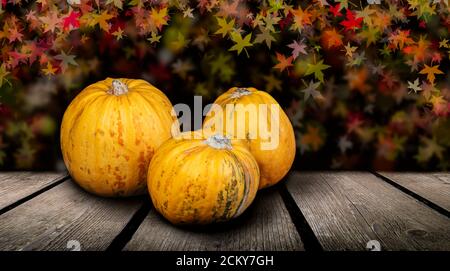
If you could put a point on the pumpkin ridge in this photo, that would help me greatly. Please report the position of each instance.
(243, 201)
(75, 127)
(79, 113)
(161, 117)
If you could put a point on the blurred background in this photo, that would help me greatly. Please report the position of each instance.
(366, 83)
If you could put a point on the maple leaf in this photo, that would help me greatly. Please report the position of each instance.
(270, 21)
(272, 83)
(72, 20)
(159, 17)
(3, 74)
(343, 4)
(16, 58)
(444, 43)
(33, 50)
(311, 90)
(51, 21)
(49, 70)
(264, 36)
(301, 18)
(14, 35)
(400, 38)
(117, 3)
(187, 13)
(349, 50)
(366, 13)
(440, 105)
(102, 20)
(154, 38)
(297, 48)
(223, 65)
(137, 3)
(241, 43)
(66, 60)
(336, 10)
(202, 39)
(414, 86)
(351, 22)
(370, 35)
(312, 138)
(180, 43)
(430, 72)
(275, 5)
(228, 9)
(118, 33)
(182, 68)
(317, 70)
(332, 38)
(225, 27)
(429, 149)
(283, 62)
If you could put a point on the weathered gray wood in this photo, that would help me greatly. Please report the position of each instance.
(63, 213)
(347, 209)
(265, 226)
(434, 187)
(18, 185)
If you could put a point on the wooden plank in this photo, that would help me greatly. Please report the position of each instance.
(18, 185)
(64, 213)
(434, 187)
(346, 210)
(266, 225)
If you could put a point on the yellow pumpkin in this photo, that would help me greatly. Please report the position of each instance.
(110, 132)
(196, 179)
(275, 150)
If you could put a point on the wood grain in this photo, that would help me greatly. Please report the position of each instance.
(266, 225)
(434, 187)
(63, 213)
(18, 185)
(347, 209)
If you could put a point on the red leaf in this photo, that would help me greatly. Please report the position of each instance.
(351, 22)
(336, 10)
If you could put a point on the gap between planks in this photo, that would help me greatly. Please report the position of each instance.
(348, 209)
(391, 179)
(34, 193)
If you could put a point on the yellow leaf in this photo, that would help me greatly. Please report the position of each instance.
(430, 72)
(240, 43)
(225, 27)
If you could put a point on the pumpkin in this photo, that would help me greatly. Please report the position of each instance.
(110, 132)
(269, 134)
(199, 179)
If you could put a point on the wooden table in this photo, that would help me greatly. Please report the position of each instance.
(307, 211)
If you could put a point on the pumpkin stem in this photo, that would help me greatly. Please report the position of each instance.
(118, 87)
(218, 142)
(239, 92)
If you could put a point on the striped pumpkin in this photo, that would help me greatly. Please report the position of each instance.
(194, 179)
(110, 132)
(275, 162)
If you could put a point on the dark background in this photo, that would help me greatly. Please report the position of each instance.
(403, 131)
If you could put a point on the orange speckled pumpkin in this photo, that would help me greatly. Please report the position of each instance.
(110, 132)
(202, 180)
(274, 162)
